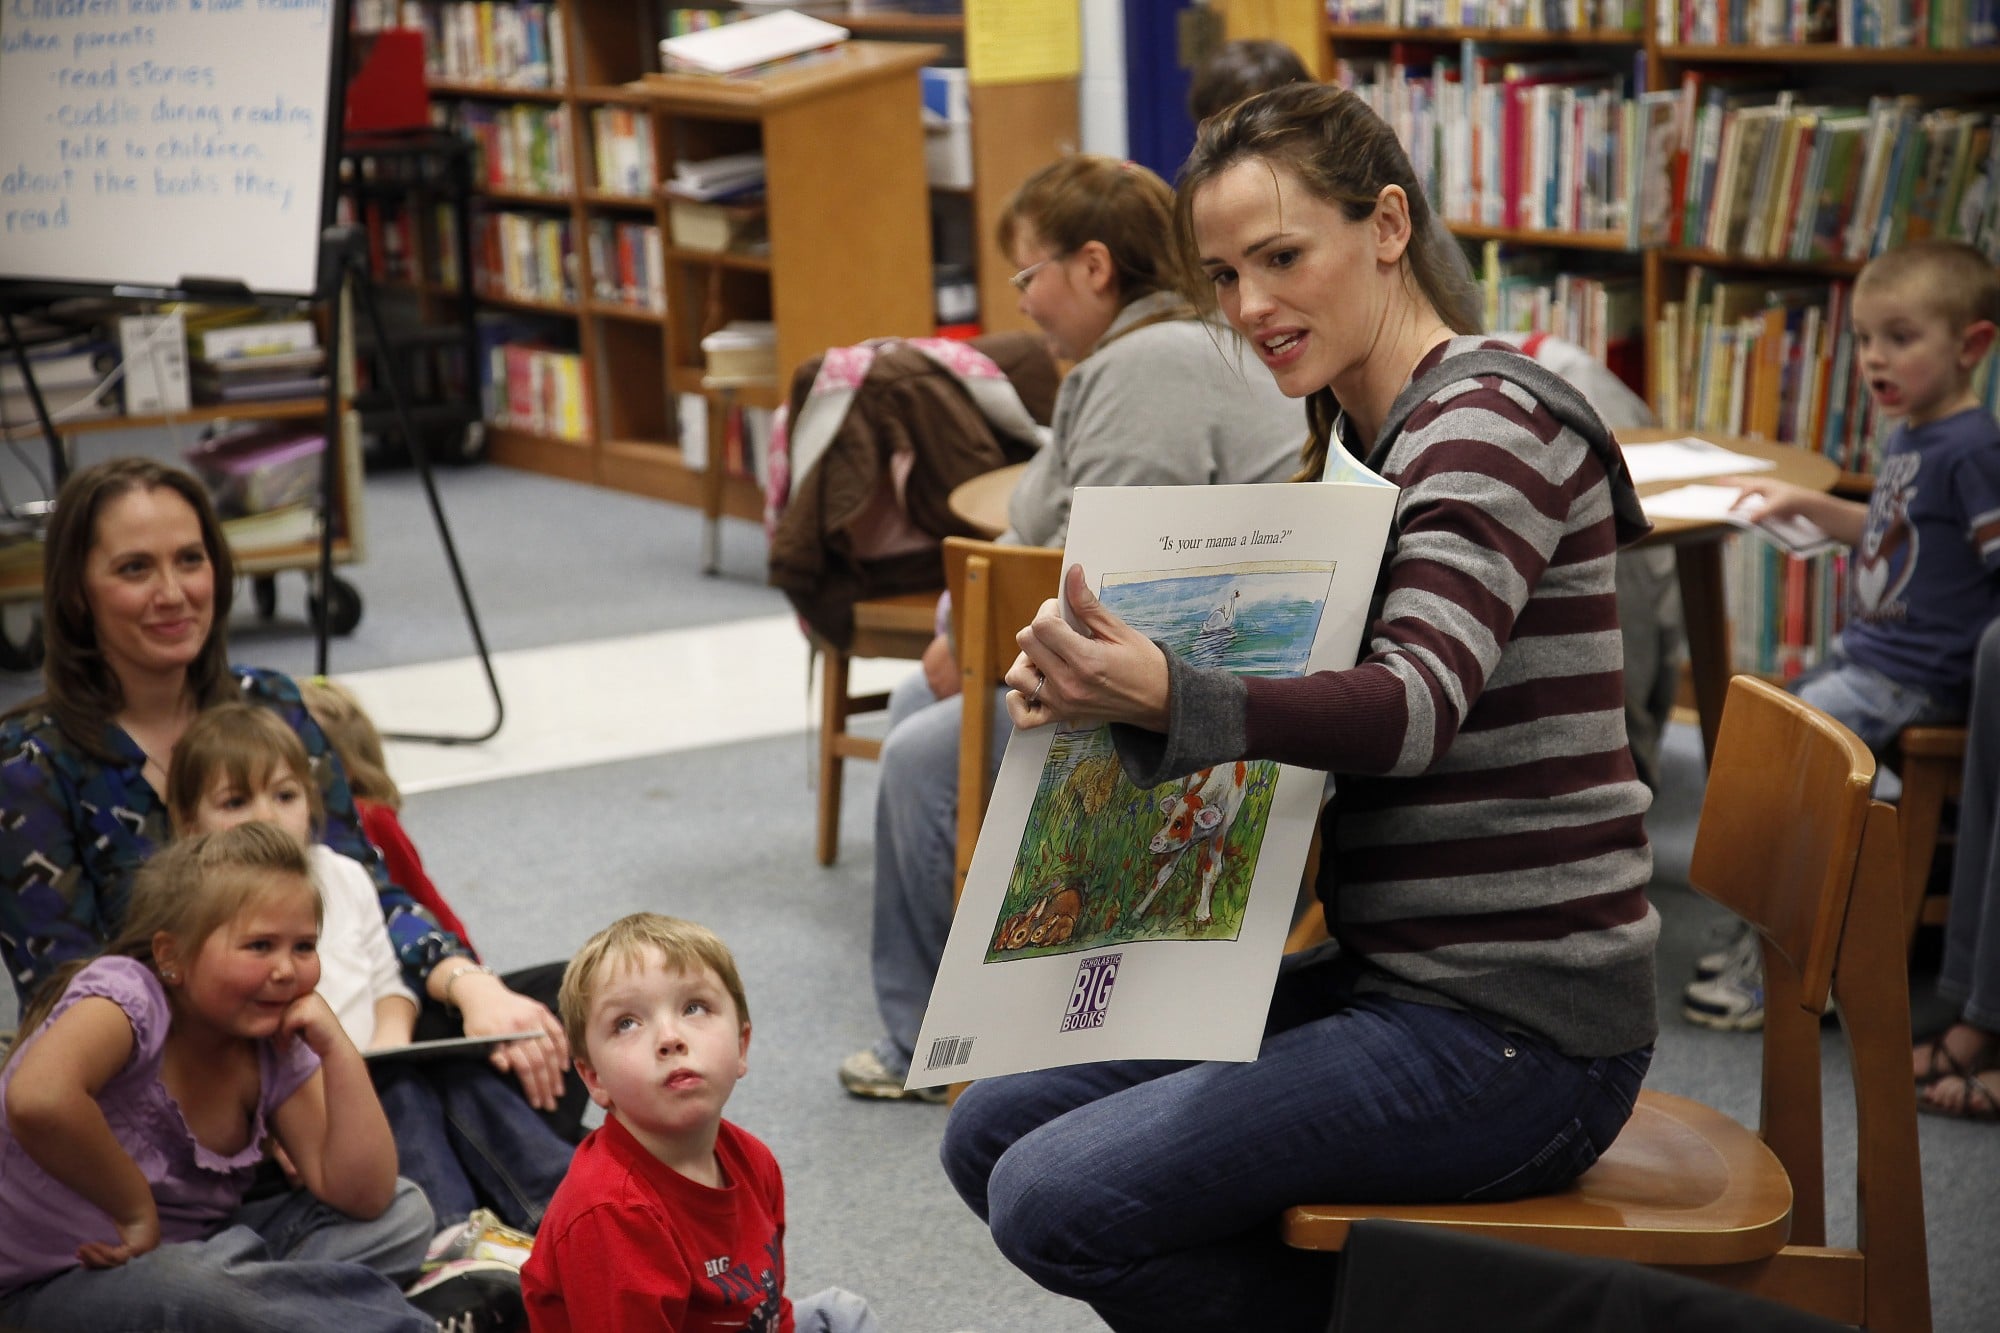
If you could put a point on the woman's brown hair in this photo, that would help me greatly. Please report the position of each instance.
(1346, 155)
(189, 890)
(243, 743)
(81, 690)
(1080, 198)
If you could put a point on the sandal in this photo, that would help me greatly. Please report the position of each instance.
(1939, 1062)
(1982, 1100)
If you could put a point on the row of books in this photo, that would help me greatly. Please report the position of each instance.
(537, 387)
(621, 141)
(524, 257)
(392, 235)
(264, 362)
(1766, 175)
(1539, 290)
(492, 41)
(523, 148)
(1545, 15)
(1783, 610)
(626, 264)
(1508, 143)
(1882, 24)
(746, 438)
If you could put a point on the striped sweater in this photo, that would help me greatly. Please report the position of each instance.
(1487, 846)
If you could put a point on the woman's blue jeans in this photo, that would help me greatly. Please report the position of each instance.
(1152, 1190)
(466, 1136)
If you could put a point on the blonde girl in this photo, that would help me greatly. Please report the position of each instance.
(138, 1105)
(463, 1134)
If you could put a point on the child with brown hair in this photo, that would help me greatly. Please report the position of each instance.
(673, 1219)
(1924, 578)
(139, 1101)
(465, 1136)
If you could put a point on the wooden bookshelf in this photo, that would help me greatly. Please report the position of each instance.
(1776, 218)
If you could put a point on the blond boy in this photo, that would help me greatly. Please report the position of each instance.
(671, 1218)
(1924, 577)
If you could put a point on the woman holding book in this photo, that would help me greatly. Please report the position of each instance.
(137, 584)
(1482, 1022)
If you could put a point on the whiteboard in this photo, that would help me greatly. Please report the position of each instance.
(167, 143)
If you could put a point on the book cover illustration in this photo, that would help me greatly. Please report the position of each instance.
(1101, 862)
(1100, 921)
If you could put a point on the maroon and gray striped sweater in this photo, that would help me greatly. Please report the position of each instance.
(1486, 846)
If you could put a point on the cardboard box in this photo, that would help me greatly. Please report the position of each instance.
(257, 468)
(742, 349)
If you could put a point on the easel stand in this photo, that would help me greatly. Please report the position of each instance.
(58, 460)
(344, 256)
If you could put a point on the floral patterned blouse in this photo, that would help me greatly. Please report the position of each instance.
(74, 829)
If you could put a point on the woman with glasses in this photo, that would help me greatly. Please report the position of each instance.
(1159, 396)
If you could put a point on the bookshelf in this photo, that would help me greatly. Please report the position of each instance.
(1760, 170)
(1017, 129)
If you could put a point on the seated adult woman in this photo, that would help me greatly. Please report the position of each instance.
(1160, 396)
(1480, 1026)
(137, 584)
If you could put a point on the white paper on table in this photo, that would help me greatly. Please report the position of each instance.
(1678, 460)
(1062, 952)
(1726, 504)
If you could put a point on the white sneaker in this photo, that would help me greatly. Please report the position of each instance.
(1733, 999)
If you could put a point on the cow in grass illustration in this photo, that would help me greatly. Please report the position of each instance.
(1197, 818)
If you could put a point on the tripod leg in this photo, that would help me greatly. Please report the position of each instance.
(364, 295)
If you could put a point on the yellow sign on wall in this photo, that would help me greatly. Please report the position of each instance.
(1022, 41)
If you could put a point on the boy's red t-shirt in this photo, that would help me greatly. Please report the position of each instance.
(383, 827)
(631, 1244)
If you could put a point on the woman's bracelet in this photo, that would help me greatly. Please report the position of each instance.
(453, 979)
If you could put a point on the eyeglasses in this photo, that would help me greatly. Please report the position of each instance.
(1027, 275)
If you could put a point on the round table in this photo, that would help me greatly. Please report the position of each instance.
(981, 503)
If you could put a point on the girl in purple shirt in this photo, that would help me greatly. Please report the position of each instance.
(140, 1102)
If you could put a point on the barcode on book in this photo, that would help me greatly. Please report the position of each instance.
(948, 1051)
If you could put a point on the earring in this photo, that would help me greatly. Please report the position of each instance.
(170, 976)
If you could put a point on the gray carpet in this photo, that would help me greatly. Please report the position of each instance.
(726, 837)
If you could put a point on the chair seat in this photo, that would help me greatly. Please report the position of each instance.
(894, 626)
(1684, 1184)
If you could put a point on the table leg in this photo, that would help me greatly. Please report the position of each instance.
(1699, 565)
(712, 474)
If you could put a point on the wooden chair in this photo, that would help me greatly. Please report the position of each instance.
(900, 626)
(995, 590)
(1790, 841)
(1932, 769)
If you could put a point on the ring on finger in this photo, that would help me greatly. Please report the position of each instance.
(1035, 699)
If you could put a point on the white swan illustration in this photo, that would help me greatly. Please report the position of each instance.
(1223, 617)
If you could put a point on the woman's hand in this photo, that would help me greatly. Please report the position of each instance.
(487, 1007)
(1108, 673)
(137, 1234)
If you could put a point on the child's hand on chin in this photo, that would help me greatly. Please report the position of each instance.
(136, 1236)
(310, 1020)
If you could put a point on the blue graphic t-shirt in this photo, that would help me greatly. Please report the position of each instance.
(1925, 579)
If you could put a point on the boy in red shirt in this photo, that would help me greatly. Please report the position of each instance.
(671, 1218)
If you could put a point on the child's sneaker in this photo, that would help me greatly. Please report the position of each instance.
(480, 1236)
(1733, 999)
(865, 1074)
(472, 1296)
(1742, 946)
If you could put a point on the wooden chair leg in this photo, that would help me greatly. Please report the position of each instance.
(833, 706)
(1921, 809)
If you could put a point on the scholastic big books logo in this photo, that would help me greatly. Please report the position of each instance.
(1090, 998)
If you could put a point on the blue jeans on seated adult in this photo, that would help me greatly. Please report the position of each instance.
(468, 1137)
(916, 841)
(287, 1264)
(1152, 1189)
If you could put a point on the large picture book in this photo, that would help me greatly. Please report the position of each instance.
(1103, 922)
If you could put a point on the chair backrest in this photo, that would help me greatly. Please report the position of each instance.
(995, 590)
(1790, 840)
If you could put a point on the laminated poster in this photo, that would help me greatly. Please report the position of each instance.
(1102, 922)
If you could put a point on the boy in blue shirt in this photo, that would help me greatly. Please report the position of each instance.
(1924, 579)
